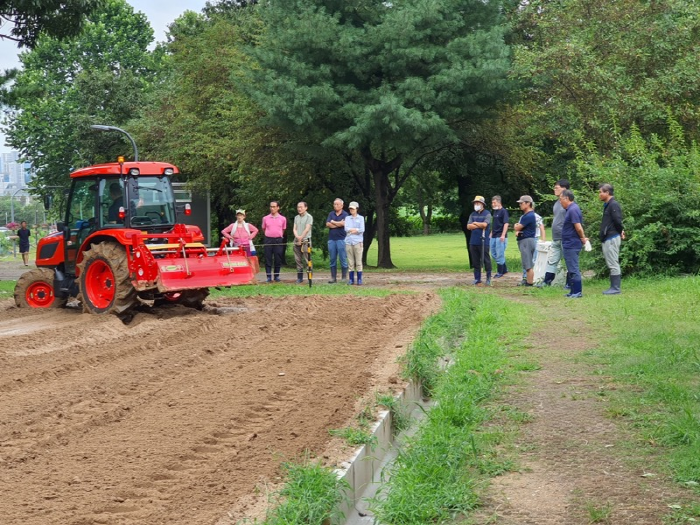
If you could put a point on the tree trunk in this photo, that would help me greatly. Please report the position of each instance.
(382, 204)
(370, 230)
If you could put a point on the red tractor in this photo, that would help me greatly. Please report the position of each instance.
(121, 245)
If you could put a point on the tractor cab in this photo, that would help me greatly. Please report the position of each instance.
(110, 197)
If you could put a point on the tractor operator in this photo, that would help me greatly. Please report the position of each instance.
(115, 193)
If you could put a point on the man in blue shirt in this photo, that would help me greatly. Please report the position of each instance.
(499, 235)
(479, 224)
(527, 244)
(336, 240)
(572, 240)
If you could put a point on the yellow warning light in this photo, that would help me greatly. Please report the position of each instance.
(120, 159)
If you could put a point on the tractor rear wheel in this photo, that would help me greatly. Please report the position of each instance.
(34, 289)
(105, 285)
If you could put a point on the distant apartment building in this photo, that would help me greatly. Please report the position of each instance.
(14, 175)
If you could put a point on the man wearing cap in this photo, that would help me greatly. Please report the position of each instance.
(273, 225)
(354, 239)
(555, 249)
(480, 224)
(336, 240)
(499, 235)
(240, 233)
(525, 232)
(611, 235)
(572, 240)
(302, 239)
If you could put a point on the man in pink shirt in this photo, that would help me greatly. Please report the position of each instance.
(273, 226)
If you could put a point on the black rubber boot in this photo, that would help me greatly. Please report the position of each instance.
(300, 277)
(345, 274)
(614, 289)
(549, 278)
(334, 276)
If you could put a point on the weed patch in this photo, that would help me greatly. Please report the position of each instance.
(438, 472)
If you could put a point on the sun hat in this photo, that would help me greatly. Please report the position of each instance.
(242, 212)
(353, 204)
(480, 199)
(525, 198)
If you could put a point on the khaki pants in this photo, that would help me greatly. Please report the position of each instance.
(301, 256)
(611, 252)
(354, 252)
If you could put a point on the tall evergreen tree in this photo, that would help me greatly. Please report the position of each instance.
(386, 82)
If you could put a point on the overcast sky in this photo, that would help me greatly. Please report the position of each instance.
(160, 14)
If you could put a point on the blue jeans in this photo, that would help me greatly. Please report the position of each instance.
(337, 249)
(498, 249)
(571, 258)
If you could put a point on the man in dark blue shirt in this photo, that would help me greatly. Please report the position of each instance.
(499, 235)
(572, 240)
(479, 224)
(23, 234)
(527, 244)
(336, 240)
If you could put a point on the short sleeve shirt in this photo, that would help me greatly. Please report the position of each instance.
(500, 219)
(529, 223)
(558, 221)
(274, 226)
(477, 236)
(300, 223)
(336, 234)
(569, 236)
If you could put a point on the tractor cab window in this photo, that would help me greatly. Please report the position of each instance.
(152, 202)
(111, 201)
(81, 210)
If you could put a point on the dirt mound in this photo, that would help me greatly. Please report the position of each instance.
(176, 416)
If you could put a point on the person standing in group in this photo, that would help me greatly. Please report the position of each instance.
(273, 226)
(612, 233)
(336, 240)
(540, 235)
(480, 224)
(240, 233)
(525, 231)
(354, 242)
(23, 234)
(572, 240)
(555, 250)
(499, 235)
(303, 223)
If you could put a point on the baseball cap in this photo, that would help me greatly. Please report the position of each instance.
(480, 199)
(353, 204)
(525, 198)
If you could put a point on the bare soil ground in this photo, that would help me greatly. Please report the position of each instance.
(178, 416)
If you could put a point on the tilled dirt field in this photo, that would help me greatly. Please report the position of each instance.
(177, 416)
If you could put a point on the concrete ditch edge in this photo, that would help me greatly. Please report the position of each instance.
(363, 472)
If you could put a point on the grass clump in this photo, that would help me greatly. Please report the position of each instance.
(311, 495)
(354, 436)
(7, 289)
(436, 474)
(653, 347)
(400, 421)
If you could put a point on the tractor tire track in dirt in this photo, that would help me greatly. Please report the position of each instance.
(176, 416)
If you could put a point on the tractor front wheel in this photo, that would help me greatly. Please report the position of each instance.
(34, 289)
(105, 285)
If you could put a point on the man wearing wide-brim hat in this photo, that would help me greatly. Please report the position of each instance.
(479, 224)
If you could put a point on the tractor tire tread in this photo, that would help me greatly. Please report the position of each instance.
(115, 255)
(30, 277)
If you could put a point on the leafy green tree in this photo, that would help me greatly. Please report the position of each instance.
(594, 68)
(385, 83)
(97, 77)
(24, 20)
